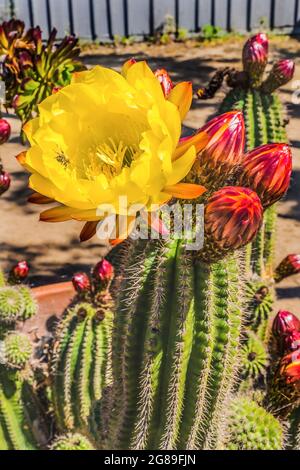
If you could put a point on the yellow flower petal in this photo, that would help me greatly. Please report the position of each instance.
(126, 66)
(182, 95)
(198, 140)
(182, 166)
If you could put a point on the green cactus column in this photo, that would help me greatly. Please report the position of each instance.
(251, 427)
(175, 348)
(264, 124)
(81, 367)
(22, 419)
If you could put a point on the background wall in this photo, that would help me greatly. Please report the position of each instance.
(102, 19)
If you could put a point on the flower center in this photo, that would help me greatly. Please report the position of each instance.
(110, 158)
(107, 158)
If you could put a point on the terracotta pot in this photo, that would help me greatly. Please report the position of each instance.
(52, 301)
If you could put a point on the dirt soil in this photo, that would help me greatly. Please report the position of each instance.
(54, 251)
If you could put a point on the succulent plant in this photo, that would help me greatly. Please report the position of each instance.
(16, 350)
(16, 303)
(11, 305)
(81, 369)
(254, 357)
(23, 424)
(261, 170)
(33, 70)
(30, 303)
(70, 441)
(156, 367)
(251, 427)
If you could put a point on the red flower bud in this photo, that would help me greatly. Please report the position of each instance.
(5, 131)
(288, 266)
(223, 151)
(19, 272)
(165, 81)
(267, 170)
(227, 139)
(4, 182)
(281, 73)
(285, 323)
(262, 39)
(81, 282)
(255, 57)
(233, 216)
(103, 272)
(290, 367)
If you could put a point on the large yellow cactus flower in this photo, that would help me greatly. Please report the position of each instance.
(108, 135)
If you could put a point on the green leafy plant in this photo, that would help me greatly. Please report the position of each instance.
(210, 32)
(33, 70)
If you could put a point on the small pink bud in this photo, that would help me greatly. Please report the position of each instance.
(4, 182)
(5, 131)
(289, 265)
(103, 272)
(20, 271)
(255, 57)
(281, 73)
(81, 282)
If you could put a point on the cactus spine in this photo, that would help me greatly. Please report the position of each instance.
(264, 124)
(81, 367)
(253, 428)
(72, 442)
(176, 332)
